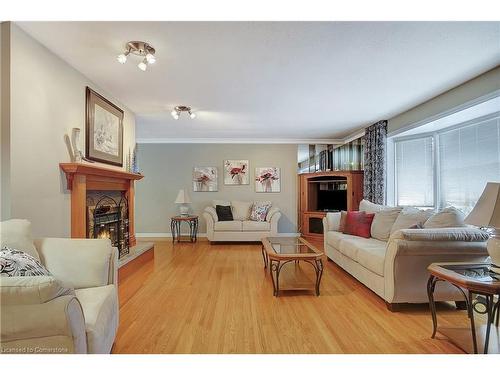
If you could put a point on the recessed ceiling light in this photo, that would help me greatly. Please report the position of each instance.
(142, 49)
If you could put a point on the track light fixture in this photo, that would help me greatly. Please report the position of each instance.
(176, 112)
(142, 49)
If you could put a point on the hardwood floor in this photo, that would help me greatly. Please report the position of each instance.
(202, 298)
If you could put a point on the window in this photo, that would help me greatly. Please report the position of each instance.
(449, 167)
(415, 172)
(469, 157)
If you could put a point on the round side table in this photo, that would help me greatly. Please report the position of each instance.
(175, 227)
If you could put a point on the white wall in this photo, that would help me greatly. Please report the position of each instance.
(168, 168)
(475, 88)
(4, 120)
(47, 101)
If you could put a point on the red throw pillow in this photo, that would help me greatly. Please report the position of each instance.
(358, 223)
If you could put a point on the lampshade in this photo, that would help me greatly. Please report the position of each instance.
(486, 212)
(182, 197)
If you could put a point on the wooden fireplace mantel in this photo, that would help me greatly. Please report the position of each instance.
(81, 178)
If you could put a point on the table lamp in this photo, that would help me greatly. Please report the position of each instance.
(183, 199)
(486, 214)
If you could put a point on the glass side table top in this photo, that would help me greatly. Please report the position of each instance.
(290, 245)
(477, 272)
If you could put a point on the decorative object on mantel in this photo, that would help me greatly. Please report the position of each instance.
(183, 199)
(104, 130)
(205, 179)
(75, 142)
(138, 48)
(267, 180)
(128, 162)
(374, 172)
(486, 214)
(236, 172)
(176, 113)
(135, 166)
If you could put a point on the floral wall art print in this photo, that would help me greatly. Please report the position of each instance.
(205, 179)
(236, 172)
(267, 180)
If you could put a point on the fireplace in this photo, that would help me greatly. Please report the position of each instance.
(107, 217)
(102, 203)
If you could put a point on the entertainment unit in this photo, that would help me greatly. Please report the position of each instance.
(323, 192)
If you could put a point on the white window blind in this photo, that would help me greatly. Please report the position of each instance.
(469, 157)
(414, 172)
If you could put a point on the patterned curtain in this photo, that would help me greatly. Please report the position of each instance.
(374, 177)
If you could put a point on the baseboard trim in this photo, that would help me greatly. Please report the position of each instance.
(164, 235)
(201, 235)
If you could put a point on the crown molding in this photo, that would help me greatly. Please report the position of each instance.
(243, 140)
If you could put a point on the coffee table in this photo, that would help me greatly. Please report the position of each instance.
(278, 251)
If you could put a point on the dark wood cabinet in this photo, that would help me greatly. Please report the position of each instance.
(323, 192)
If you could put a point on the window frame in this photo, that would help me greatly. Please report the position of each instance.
(436, 157)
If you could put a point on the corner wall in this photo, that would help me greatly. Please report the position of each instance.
(168, 168)
(47, 100)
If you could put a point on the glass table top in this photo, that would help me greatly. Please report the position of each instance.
(290, 245)
(478, 272)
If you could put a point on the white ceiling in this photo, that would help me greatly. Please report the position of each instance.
(274, 80)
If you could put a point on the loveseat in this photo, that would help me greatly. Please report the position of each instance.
(396, 268)
(74, 310)
(241, 228)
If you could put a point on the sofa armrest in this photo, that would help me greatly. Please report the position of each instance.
(442, 234)
(274, 223)
(272, 211)
(57, 326)
(210, 225)
(78, 263)
(332, 221)
(406, 262)
(213, 213)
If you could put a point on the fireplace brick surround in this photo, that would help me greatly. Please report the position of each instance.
(82, 178)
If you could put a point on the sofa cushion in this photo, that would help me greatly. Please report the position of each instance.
(16, 234)
(383, 223)
(409, 217)
(342, 220)
(241, 210)
(100, 309)
(450, 217)
(255, 226)
(371, 208)
(371, 255)
(259, 210)
(228, 226)
(224, 213)
(218, 202)
(334, 238)
(22, 290)
(358, 223)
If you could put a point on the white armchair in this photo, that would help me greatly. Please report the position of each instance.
(37, 318)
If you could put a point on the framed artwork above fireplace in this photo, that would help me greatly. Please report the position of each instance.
(103, 130)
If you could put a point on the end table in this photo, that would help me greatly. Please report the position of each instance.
(175, 227)
(471, 280)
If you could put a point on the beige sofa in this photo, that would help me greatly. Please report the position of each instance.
(73, 311)
(241, 228)
(396, 269)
